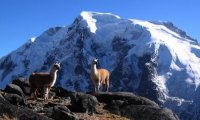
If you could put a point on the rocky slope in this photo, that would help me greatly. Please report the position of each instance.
(151, 59)
(15, 103)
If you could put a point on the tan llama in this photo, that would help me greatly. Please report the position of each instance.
(43, 81)
(99, 76)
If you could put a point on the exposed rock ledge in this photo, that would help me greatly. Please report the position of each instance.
(65, 105)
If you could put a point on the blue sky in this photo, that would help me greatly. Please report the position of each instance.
(23, 19)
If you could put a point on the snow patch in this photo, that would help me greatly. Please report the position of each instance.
(90, 21)
(33, 39)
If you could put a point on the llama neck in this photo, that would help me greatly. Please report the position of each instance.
(94, 69)
(53, 74)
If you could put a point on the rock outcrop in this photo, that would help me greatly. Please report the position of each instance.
(67, 105)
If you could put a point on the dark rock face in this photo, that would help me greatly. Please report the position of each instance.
(8, 65)
(147, 87)
(121, 46)
(53, 31)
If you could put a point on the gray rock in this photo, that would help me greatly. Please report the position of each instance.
(23, 84)
(14, 89)
(107, 97)
(2, 99)
(15, 99)
(61, 92)
(63, 113)
(20, 113)
(65, 103)
(134, 107)
(83, 102)
(140, 112)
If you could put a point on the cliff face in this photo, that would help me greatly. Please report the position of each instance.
(15, 103)
(151, 59)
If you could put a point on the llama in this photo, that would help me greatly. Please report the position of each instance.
(99, 76)
(43, 81)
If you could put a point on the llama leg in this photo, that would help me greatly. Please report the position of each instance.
(104, 87)
(107, 87)
(98, 86)
(46, 92)
(51, 97)
(33, 92)
(95, 88)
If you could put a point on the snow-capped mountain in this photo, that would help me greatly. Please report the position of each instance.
(152, 59)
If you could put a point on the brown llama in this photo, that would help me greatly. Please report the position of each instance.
(43, 81)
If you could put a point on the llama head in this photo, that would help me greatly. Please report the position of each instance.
(94, 61)
(56, 66)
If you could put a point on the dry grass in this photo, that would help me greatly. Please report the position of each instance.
(103, 115)
(5, 116)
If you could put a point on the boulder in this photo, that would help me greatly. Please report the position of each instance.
(20, 113)
(2, 99)
(82, 102)
(107, 97)
(15, 99)
(14, 89)
(63, 113)
(46, 111)
(140, 112)
(23, 84)
(134, 107)
(63, 105)
(61, 92)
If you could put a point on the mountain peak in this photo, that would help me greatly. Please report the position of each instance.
(93, 17)
(98, 14)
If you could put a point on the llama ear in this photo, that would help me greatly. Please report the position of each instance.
(57, 62)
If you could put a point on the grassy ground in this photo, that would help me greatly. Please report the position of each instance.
(103, 115)
(6, 117)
